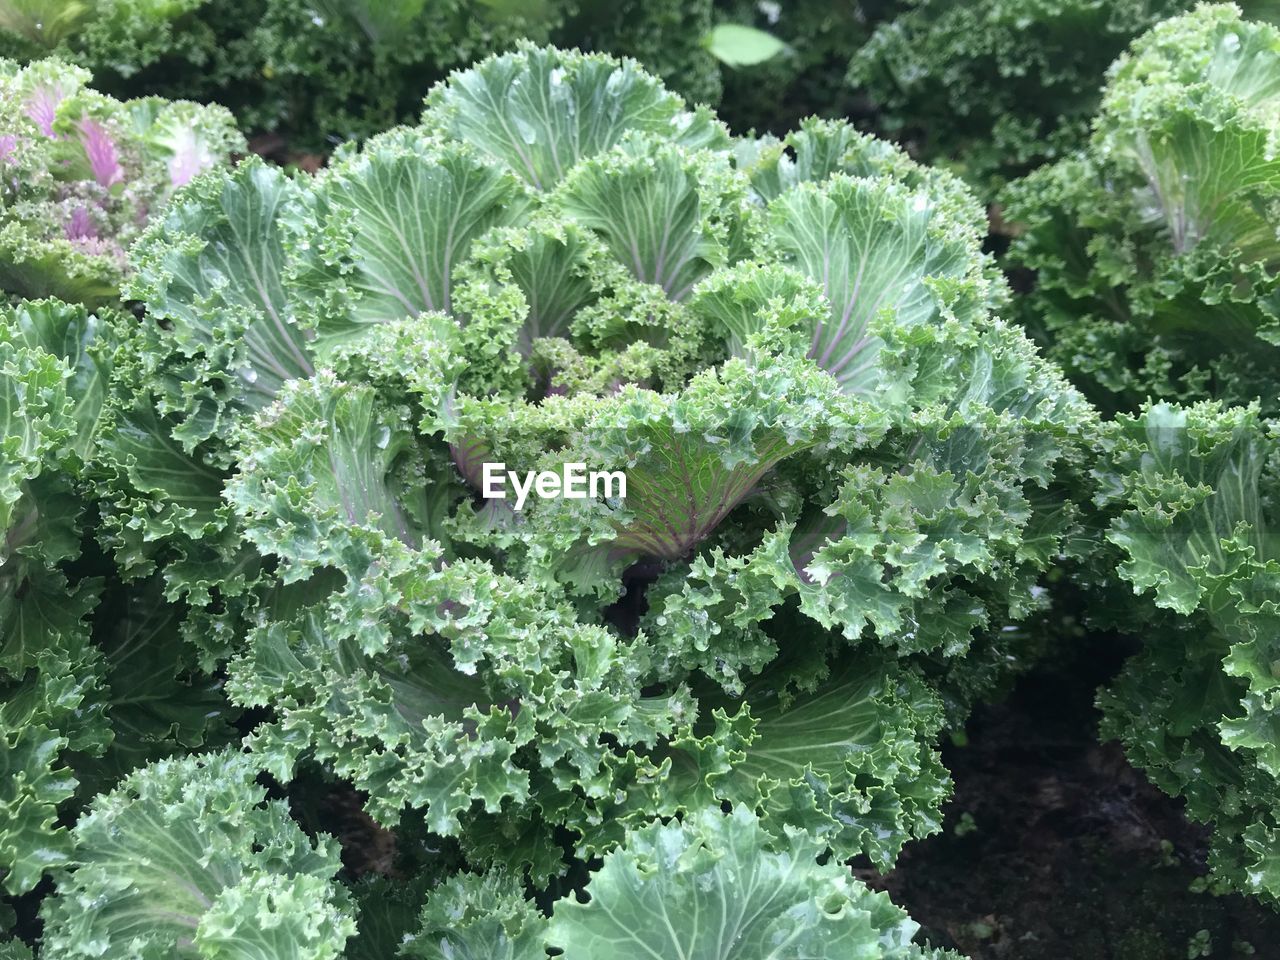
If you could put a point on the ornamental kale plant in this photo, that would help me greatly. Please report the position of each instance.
(1154, 249)
(80, 174)
(1191, 493)
(846, 476)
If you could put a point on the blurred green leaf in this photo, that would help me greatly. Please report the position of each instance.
(740, 46)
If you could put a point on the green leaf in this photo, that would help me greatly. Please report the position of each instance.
(865, 790)
(31, 841)
(214, 268)
(47, 710)
(742, 46)
(290, 918)
(84, 341)
(879, 250)
(391, 224)
(541, 111)
(36, 418)
(711, 888)
(329, 457)
(670, 215)
(160, 701)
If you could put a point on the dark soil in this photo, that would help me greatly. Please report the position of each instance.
(275, 148)
(1067, 852)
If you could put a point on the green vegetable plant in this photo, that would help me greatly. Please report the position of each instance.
(1153, 248)
(1154, 252)
(1190, 492)
(846, 475)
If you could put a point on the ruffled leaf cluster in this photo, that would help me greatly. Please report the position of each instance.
(95, 679)
(187, 858)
